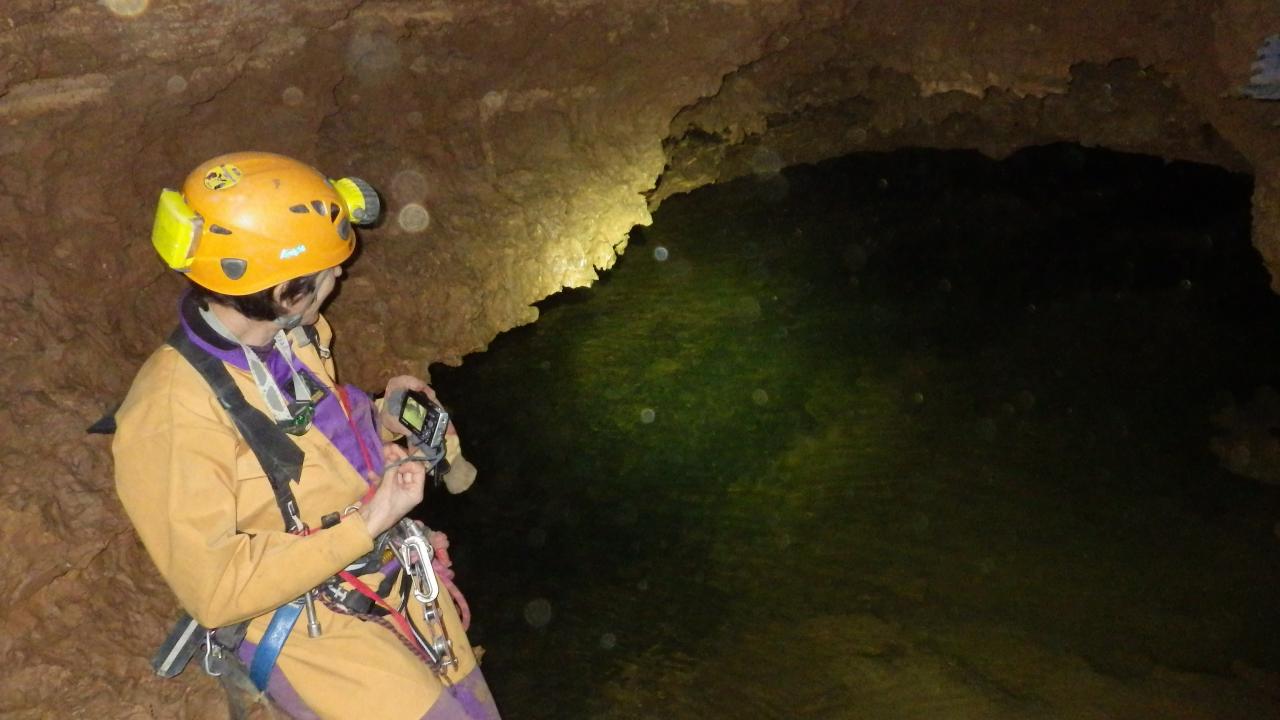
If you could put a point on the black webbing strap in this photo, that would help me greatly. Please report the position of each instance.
(279, 457)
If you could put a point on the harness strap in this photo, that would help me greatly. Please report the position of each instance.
(264, 658)
(364, 590)
(280, 458)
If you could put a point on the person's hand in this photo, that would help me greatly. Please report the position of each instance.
(399, 490)
(396, 384)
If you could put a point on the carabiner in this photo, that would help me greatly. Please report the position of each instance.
(415, 555)
(212, 653)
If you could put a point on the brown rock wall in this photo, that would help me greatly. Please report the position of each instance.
(986, 75)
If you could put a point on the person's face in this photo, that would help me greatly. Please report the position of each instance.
(309, 305)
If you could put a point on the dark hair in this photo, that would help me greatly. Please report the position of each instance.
(262, 304)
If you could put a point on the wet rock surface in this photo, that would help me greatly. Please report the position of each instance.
(515, 145)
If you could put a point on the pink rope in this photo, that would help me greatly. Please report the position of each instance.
(443, 567)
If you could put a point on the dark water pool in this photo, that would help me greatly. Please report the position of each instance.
(912, 435)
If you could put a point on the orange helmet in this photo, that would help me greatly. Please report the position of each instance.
(248, 221)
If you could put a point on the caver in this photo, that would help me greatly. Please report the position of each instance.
(269, 495)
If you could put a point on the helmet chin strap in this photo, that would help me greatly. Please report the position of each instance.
(277, 403)
(289, 322)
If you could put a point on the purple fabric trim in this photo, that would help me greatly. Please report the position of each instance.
(279, 689)
(467, 699)
(332, 422)
(232, 356)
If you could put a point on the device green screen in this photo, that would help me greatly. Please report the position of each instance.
(413, 415)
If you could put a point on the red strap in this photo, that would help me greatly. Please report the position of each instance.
(368, 592)
(354, 581)
(364, 590)
(364, 450)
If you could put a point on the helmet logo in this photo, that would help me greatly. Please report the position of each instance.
(292, 252)
(222, 177)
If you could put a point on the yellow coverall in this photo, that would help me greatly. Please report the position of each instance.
(206, 514)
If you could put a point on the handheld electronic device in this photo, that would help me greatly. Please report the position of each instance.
(423, 418)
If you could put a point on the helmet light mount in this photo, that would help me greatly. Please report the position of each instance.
(361, 199)
(176, 233)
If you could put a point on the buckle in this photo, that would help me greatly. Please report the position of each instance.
(302, 414)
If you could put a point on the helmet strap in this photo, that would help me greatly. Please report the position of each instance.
(295, 415)
(288, 322)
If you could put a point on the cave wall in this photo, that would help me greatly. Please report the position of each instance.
(535, 135)
(991, 76)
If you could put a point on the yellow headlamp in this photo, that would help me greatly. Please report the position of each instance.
(176, 231)
(360, 198)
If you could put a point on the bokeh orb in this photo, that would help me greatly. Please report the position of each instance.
(127, 8)
(409, 186)
(413, 218)
(537, 612)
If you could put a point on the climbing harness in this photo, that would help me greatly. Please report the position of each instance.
(188, 637)
(403, 553)
(281, 460)
(264, 658)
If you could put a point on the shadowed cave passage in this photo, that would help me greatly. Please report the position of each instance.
(899, 435)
